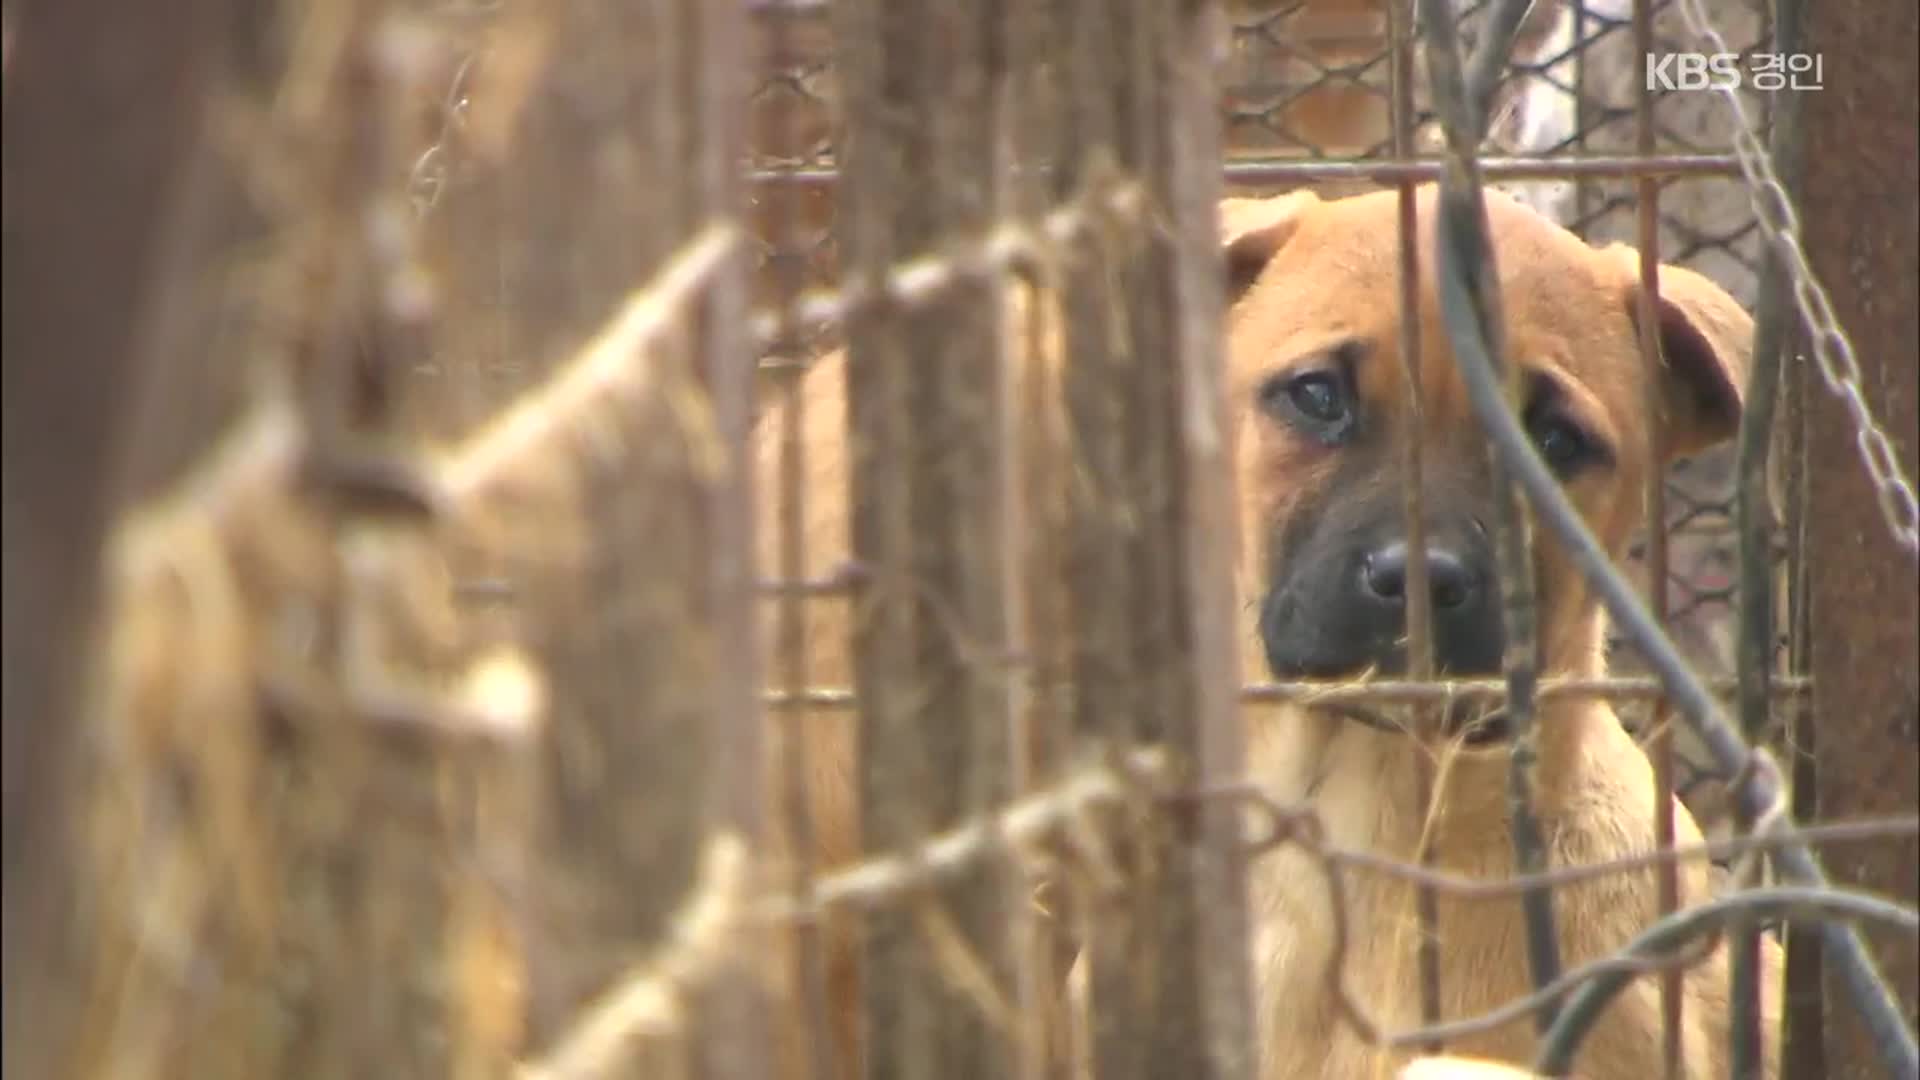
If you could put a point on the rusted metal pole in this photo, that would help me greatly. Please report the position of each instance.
(1749, 1043)
(1426, 720)
(638, 575)
(922, 85)
(1467, 272)
(1646, 319)
(102, 113)
(1860, 226)
(735, 1014)
(1148, 576)
(805, 1032)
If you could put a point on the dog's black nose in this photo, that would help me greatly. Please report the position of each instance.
(1467, 638)
(1452, 583)
(1343, 609)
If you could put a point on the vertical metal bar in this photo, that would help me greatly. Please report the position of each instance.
(1042, 739)
(1754, 526)
(809, 973)
(1861, 229)
(1468, 272)
(1647, 321)
(924, 388)
(1803, 1041)
(1582, 107)
(734, 1024)
(1214, 736)
(1028, 381)
(89, 219)
(1149, 517)
(662, 574)
(1803, 1046)
(1401, 39)
(1104, 686)
(811, 1029)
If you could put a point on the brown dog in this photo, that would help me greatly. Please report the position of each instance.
(1318, 413)
(1319, 390)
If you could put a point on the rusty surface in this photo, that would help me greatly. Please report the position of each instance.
(1861, 221)
(924, 400)
(1647, 240)
(85, 221)
(1145, 572)
(734, 1025)
(615, 151)
(1419, 606)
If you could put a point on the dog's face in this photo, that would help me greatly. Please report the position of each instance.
(1324, 414)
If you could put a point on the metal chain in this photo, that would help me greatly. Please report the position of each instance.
(1832, 350)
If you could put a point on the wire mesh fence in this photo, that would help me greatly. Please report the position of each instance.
(522, 682)
(1564, 129)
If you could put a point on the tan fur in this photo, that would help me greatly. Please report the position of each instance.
(1329, 273)
(1449, 1067)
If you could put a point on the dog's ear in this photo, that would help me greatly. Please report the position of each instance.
(1706, 338)
(1252, 232)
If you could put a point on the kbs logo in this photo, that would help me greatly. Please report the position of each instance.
(1723, 71)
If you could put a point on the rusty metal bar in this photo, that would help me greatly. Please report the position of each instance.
(1861, 228)
(1043, 925)
(330, 759)
(1582, 107)
(1805, 1008)
(1471, 306)
(921, 84)
(1750, 1045)
(734, 1013)
(1647, 323)
(90, 217)
(1147, 516)
(1208, 726)
(808, 1031)
(1402, 39)
(1803, 1039)
(638, 583)
(1254, 171)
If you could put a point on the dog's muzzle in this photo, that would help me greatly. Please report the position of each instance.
(1346, 615)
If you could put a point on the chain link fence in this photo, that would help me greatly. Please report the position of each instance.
(1288, 70)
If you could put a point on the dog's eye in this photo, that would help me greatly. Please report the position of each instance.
(1317, 398)
(1562, 444)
